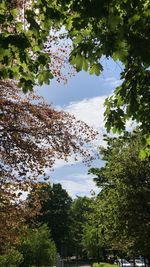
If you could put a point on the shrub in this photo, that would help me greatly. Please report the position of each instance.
(12, 258)
(38, 248)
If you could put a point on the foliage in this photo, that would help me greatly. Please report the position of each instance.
(117, 29)
(12, 258)
(38, 248)
(130, 100)
(13, 215)
(55, 211)
(90, 241)
(79, 209)
(123, 204)
(33, 136)
(15, 212)
(93, 241)
(28, 43)
(34, 139)
(108, 28)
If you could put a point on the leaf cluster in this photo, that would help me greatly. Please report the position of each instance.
(25, 29)
(120, 30)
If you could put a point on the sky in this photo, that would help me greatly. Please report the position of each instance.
(83, 96)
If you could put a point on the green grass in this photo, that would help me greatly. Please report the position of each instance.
(103, 264)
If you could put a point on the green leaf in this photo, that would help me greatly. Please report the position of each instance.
(69, 23)
(45, 77)
(133, 19)
(43, 59)
(14, 12)
(96, 69)
(79, 62)
(142, 154)
(78, 39)
(85, 64)
(40, 79)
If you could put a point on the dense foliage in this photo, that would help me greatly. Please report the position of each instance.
(26, 44)
(79, 209)
(12, 258)
(117, 29)
(55, 211)
(93, 240)
(124, 202)
(37, 248)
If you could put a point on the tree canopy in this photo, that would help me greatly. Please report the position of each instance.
(79, 208)
(37, 247)
(33, 136)
(117, 29)
(124, 202)
(55, 211)
(25, 42)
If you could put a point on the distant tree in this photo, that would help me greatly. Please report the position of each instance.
(88, 228)
(79, 209)
(92, 242)
(55, 211)
(124, 202)
(14, 213)
(38, 248)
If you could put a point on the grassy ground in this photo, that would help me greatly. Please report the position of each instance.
(103, 264)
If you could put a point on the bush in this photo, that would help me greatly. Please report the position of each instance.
(12, 258)
(38, 248)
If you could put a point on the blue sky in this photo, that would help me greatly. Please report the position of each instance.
(82, 96)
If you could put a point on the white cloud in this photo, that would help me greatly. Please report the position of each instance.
(79, 185)
(89, 110)
(112, 81)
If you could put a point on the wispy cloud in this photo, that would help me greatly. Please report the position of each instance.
(79, 185)
(59, 163)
